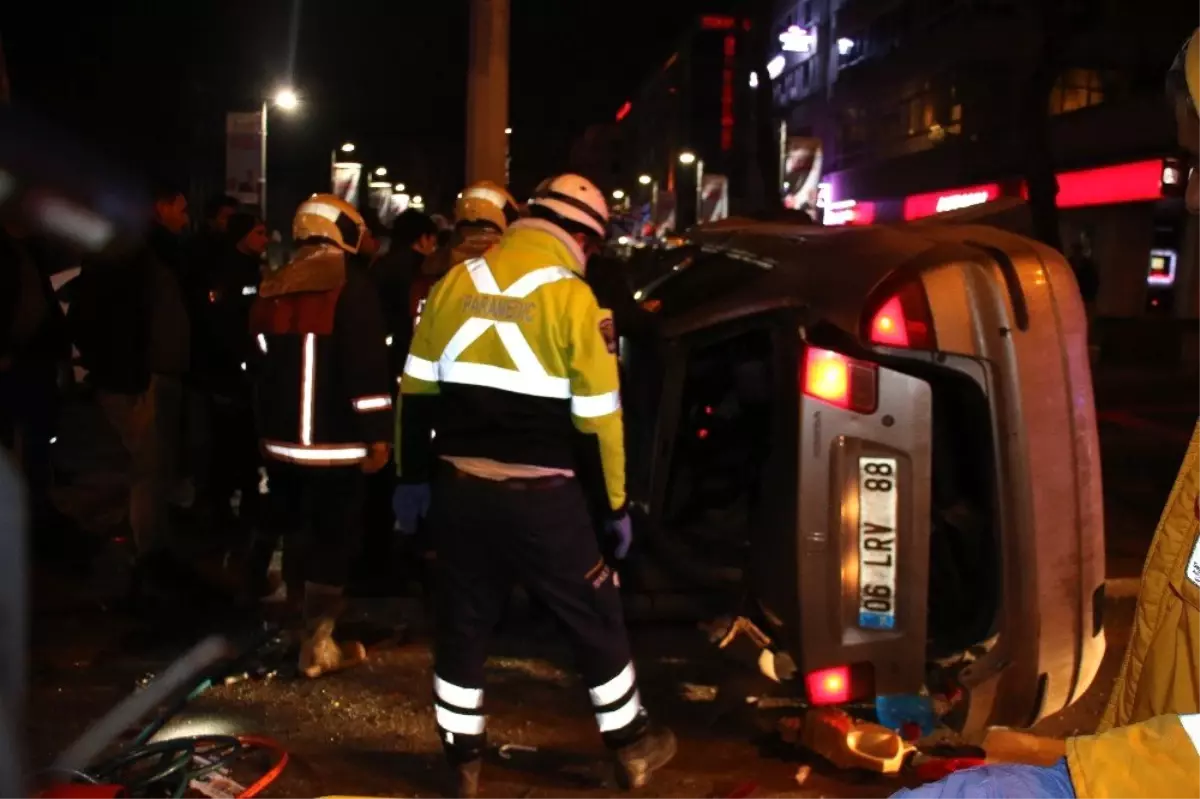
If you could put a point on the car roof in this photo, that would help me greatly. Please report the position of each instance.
(830, 272)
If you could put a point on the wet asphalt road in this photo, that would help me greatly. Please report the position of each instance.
(370, 731)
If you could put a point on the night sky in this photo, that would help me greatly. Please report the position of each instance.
(149, 82)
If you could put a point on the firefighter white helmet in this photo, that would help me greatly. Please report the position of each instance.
(329, 217)
(485, 201)
(575, 198)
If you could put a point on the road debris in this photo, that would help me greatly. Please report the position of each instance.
(506, 751)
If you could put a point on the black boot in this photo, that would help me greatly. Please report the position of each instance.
(466, 776)
(638, 760)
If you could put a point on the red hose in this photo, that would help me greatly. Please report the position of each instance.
(277, 769)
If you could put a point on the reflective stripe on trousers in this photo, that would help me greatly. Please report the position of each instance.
(617, 702)
(459, 710)
(530, 376)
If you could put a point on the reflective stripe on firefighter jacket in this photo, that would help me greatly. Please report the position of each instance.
(516, 349)
(1156, 757)
(322, 378)
(1160, 672)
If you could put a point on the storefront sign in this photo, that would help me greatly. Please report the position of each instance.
(798, 40)
(917, 206)
(849, 212)
(1140, 181)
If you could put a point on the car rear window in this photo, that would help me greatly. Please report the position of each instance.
(701, 277)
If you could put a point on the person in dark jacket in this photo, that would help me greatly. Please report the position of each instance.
(129, 323)
(414, 237)
(212, 240)
(170, 346)
(33, 345)
(222, 347)
(323, 397)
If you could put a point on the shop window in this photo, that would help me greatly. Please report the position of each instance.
(1076, 89)
(921, 114)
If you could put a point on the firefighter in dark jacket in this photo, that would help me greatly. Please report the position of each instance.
(513, 356)
(324, 413)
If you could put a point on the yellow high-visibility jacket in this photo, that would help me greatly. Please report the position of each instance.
(1161, 671)
(517, 351)
(1155, 758)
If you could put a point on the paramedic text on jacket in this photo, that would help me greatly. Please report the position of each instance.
(508, 361)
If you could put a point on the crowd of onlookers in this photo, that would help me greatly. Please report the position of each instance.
(160, 331)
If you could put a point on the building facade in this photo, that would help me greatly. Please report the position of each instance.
(677, 144)
(922, 106)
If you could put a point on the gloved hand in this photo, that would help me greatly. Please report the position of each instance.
(410, 502)
(621, 529)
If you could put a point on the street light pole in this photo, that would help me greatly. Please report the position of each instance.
(262, 166)
(487, 91)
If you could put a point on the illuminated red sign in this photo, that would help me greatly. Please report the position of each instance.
(917, 206)
(624, 110)
(849, 212)
(727, 118)
(716, 22)
(1125, 183)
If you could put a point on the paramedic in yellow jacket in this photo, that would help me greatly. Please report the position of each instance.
(1161, 671)
(511, 360)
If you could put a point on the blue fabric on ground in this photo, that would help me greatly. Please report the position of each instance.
(1005, 781)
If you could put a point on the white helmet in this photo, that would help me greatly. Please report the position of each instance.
(485, 201)
(575, 198)
(328, 216)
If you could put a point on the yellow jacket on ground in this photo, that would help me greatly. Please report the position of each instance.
(1161, 671)
(1156, 758)
(519, 356)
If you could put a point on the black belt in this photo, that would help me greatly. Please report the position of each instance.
(518, 483)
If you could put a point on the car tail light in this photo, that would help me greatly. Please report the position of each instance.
(840, 380)
(828, 686)
(903, 320)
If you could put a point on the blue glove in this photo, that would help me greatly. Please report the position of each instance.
(410, 502)
(621, 529)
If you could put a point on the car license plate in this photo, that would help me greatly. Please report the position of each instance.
(877, 479)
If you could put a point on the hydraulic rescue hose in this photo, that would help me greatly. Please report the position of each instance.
(169, 767)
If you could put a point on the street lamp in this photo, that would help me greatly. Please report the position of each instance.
(645, 180)
(348, 147)
(618, 194)
(399, 187)
(381, 172)
(285, 99)
(508, 131)
(687, 158)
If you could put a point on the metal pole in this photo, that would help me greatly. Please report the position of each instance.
(262, 166)
(487, 91)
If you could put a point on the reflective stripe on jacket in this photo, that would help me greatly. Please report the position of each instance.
(1156, 758)
(322, 379)
(1161, 670)
(518, 350)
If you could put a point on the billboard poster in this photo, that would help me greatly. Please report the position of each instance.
(244, 156)
(396, 205)
(714, 199)
(379, 193)
(345, 179)
(801, 173)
